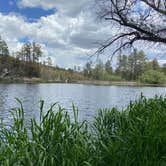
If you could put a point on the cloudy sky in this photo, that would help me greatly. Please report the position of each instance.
(68, 30)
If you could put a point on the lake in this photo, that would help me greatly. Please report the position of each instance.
(88, 98)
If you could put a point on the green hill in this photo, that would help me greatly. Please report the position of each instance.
(14, 70)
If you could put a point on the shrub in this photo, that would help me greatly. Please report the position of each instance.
(112, 78)
(153, 77)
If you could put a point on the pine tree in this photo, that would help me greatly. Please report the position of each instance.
(4, 51)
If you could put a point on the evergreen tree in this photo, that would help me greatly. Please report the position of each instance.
(132, 66)
(139, 64)
(122, 66)
(88, 69)
(98, 71)
(36, 52)
(108, 67)
(4, 51)
(155, 64)
(164, 68)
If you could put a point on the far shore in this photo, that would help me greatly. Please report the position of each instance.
(105, 83)
(117, 83)
(86, 82)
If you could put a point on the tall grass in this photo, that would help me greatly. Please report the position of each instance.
(134, 136)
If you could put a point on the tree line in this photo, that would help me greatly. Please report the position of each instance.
(131, 67)
(4, 51)
(30, 52)
(23, 63)
(26, 63)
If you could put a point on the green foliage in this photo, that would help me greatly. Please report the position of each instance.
(101, 72)
(4, 51)
(155, 65)
(98, 71)
(153, 77)
(55, 140)
(164, 69)
(88, 70)
(108, 67)
(132, 66)
(134, 136)
(112, 77)
(122, 66)
(129, 67)
(30, 52)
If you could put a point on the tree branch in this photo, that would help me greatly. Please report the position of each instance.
(138, 25)
(156, 8)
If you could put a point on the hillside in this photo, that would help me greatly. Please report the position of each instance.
(14, 70)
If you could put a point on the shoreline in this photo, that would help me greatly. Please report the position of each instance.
(84, 82)
(118, 83)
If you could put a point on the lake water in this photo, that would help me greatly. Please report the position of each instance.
(88, 98)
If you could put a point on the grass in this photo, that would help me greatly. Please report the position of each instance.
(134, 136)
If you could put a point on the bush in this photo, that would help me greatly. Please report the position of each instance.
(112, 78)
(31, 70)
(153, 77)
(135, 136)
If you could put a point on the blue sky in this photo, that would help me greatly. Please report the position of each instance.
(31, 14)
(67, 31)
(40, 21)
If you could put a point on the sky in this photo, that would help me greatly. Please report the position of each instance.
(68, 30)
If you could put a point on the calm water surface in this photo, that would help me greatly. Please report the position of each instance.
(88, 98)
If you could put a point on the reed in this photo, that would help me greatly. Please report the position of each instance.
(134, 136)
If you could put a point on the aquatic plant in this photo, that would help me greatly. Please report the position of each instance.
(134, 136)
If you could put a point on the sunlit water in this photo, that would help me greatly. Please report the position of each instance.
(88, 98)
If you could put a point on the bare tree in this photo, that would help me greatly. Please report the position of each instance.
(139, 20)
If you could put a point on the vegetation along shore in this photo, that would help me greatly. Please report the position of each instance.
(25, 66)
(133, 136)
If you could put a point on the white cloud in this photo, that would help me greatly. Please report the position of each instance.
(162, 62)
(68, 35)
(65, 37)
(70, 7)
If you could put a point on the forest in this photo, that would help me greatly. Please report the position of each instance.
(133, 67)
